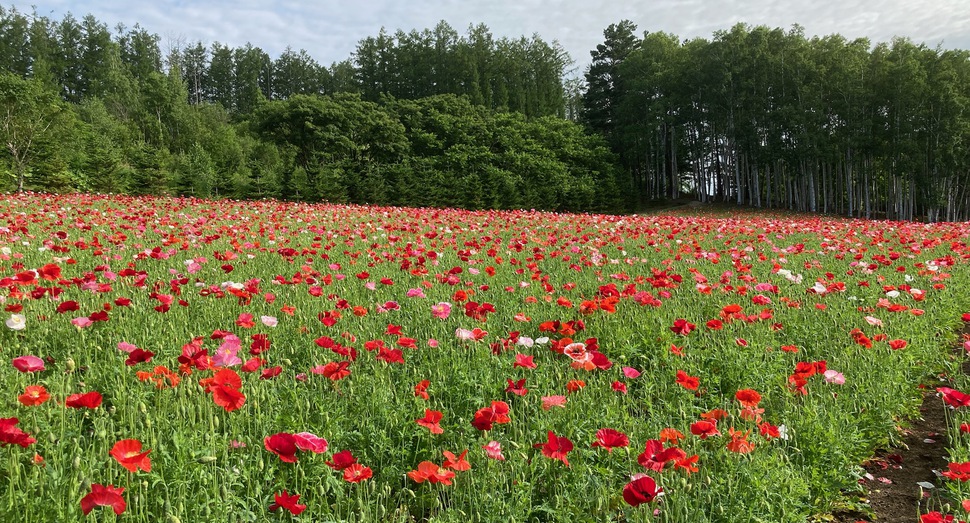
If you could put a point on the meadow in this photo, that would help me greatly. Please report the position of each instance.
(184, 360)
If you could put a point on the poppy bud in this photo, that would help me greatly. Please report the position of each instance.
(70, 368)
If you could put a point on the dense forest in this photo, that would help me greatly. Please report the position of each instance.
(753, 115)
(770, 118)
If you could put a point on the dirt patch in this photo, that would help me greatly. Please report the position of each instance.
(902, 483)
(893, 481)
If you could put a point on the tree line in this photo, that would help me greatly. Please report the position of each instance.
(425, 118)
(771, 118)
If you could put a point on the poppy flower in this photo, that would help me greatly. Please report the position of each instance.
(137, 356)
(430, 421)
(356, 473)
(33, 395)
(524, 361)
(334, 370)
(456, 463)
(641, 489)
(748, 397)
(498, 412)
(610, 439)
(557, 447)
(493, 450)
(655, 456)
(954, 398)
(669, 435)
(87, 400)
(739, 441)
(687, 381)
(682, 327)
(128, 453)
(283, 445)
(310, 442)
(619, 386)
(341, 460)
(10, 434)
(704, 428)
(104, 496)
(517, 387)
(287, 501)
(421, 389)
(28, 363)
(432, 473)
(575, 385)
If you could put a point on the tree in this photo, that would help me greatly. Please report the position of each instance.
(28, 113)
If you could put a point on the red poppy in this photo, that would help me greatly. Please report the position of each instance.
(104, 496)
(432, 473)
(686, 381)
(341, 460)
(619, 386)
(356, 473)
(420, 390)
(283, 445)
(557, 447)
(958, 471)
(456, 463)
(610, 439)
(704, 428)
(517, 387)
(287, 501)
(88, 400)
(524, 360)
(496, 413)
(10, 434)
(575, 385)
(748, 397)
(682, 327)
(271, 373)
(954, 398)
(430, 421)
(655, 456)
(128, 453)
(641, 489)
(897, 344)
(33, 395)
(138, 356)
(669, 435)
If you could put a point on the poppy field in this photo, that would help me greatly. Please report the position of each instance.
(184, 360)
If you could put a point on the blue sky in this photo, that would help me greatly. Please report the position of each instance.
(330, 29)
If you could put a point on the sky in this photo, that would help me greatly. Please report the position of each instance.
(330, 29)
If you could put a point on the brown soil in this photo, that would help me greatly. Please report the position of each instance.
(892, 484)
(893, 493)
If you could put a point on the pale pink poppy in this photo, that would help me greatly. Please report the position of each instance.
(549, 402)
(415, 293)
(269, 321)
(82, 322)
(124, 346)
(834, 377)
(493, 450)
(875, 322)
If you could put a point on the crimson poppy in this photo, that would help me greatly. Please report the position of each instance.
(283, 445)
(641, 489)
(88, 400)
(687, 381)
(10, 434)
(557, 447)
(420, 390)
(287, 501)
(610, 439)
(341, 460)
(104, 496)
